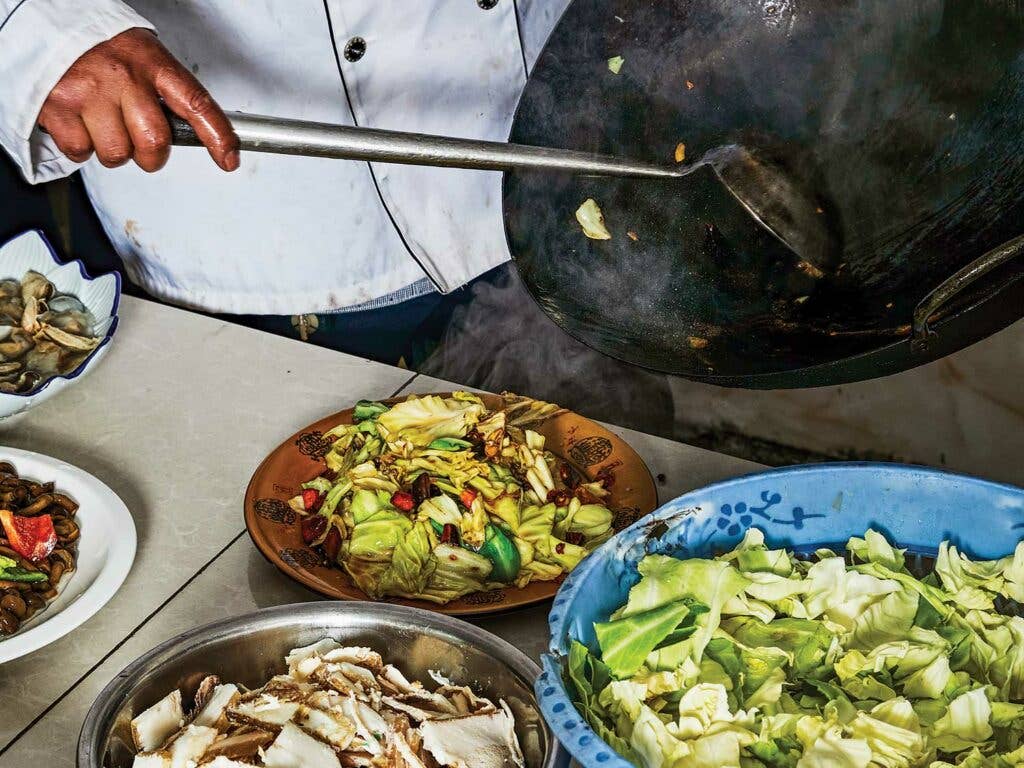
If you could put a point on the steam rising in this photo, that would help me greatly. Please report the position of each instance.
(500, 340)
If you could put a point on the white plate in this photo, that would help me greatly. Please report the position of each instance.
(106, 549)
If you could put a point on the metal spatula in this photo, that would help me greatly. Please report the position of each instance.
(773, 197)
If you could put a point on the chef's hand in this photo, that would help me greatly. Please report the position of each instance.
(109, 102)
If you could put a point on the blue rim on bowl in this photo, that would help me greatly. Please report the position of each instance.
(803, 508)
(88, 278)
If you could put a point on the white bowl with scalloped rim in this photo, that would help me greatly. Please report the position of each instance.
(100, 295)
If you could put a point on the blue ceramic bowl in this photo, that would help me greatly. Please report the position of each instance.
(802, 508)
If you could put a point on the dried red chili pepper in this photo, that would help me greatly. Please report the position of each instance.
(574, 537)
(468, 496)
(421, 488)
(311, 499)
(450, 534)
(558, 498)
(313, 527)
(403, 500)
(332, 544)
(560, 548)
(567, 475)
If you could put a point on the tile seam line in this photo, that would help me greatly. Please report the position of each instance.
(52, 705)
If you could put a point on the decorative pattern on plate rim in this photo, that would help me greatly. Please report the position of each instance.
(275, 510)
(625, 517)
(300, 558)
(590, 451)
(485, 598)
(313, 444)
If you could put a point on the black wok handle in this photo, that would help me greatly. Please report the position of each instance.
(948, 289)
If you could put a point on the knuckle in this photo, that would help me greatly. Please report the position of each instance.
(77, 150)
(151, 143)
(200, 101)
(115, 155)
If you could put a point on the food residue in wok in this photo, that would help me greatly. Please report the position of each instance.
(680, 153)
(43, 333)
(336, 707)
(592, 220)
(615, 64)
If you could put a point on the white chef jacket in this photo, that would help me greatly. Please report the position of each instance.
(288, 235)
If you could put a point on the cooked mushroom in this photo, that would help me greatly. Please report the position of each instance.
(49, 333)
(37, 538)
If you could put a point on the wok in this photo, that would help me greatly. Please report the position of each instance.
(907, 118)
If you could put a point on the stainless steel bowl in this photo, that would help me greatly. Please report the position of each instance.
(250, 649)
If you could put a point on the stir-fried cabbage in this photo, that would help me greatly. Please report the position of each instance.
(755, 658)
(437, 497)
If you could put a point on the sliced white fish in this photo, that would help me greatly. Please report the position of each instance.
(319, 648)
(303, 669)
(406, 751)
(152, 760)
(394, 676)
(422, 705)
(329, 701)
(190, 745)
(369, 724)
(158, 723)
(293, 748)
(475, 741)
(266, 709)
(364, 657)
(214, 711)
(332, 727)
(440, 679)
(242, 746)
(225, 762)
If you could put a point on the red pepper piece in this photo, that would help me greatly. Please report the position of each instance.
(311, 499)
(332, 544)
(450, 534)
(468, 496)
(403, 500)
(313, 527)
(574, 537)
(560, 548)
(31, 537)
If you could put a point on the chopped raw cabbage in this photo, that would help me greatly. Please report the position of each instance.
(755, 659)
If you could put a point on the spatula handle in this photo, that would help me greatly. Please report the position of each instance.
(297, 137)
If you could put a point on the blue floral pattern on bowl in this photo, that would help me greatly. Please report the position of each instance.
(803, 508)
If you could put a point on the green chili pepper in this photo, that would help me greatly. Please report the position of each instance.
(503, 554)
(449, 444)
(367, 409)
(17, 573)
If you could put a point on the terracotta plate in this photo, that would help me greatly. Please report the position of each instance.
(274, 526)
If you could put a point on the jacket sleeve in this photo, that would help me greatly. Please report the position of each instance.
(39, 41)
